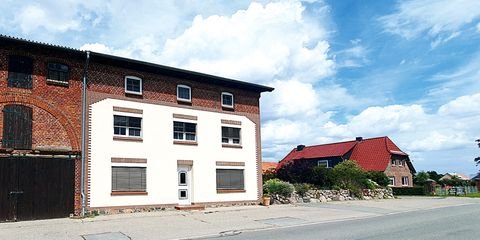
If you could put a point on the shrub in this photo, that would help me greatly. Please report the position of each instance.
(296, 172)
(277, 186)
(408, 191)
(348, 175)
(420, 178)
(322, 177)
(269, 174)
(379, 177)
(302, 188)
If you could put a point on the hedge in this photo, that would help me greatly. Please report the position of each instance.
(408, 191)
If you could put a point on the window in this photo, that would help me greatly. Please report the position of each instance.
(227, 100)
(17, 131)
(182, 178)
(230, 135)
(184, 93)
(230, 179)
(57, 72)
(404, 181)
(392, 181)
(127, 126)
(129, 179)
(133, 85)
(323, 163)
(184, 131)
(20, 71)
(182, 194)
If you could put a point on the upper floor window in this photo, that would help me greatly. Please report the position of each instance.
(127, 126)
(230, 135)
(227, 100)
(57, 72)
(323, 163)
(184, 131)
(20, 71)
(133, 85)
(184, 93)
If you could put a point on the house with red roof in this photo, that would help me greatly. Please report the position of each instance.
(372, 154)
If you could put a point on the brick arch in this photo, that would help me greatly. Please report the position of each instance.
(25, 99)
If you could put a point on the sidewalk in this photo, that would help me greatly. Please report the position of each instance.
(215, 221)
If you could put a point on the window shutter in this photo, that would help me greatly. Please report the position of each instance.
(17, 127)
(230, 179)
(129, 179)
(20, 71)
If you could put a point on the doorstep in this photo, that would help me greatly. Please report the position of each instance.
(190, 207)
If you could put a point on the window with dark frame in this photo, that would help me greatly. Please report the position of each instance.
(127, 126)
(129, 179)
(184, 131)
(230, 179)
(17, 127)
(57, 72)
(184, 93)
(227, 100)
(133, 85)
(230, 135)
(20, 70)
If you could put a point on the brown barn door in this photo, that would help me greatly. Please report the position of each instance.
(17, 127)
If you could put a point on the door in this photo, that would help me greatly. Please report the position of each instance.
(36, 188)
(184, 185)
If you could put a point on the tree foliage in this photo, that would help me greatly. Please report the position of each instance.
(420, 178)
(348, 175)
(434, 175)
(379, 177)
(477, 159)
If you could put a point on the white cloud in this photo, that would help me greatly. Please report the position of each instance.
(438, 18)
(462, 106)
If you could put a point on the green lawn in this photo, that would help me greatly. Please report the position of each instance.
(474, 195)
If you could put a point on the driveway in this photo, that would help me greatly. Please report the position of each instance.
(215, 222)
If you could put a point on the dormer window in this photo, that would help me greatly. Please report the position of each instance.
(184, 93)
(227, 100)
(133, 85)
(57, 73)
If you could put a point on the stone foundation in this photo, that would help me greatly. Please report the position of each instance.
(333, 195)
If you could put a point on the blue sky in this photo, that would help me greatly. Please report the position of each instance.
(409, 70)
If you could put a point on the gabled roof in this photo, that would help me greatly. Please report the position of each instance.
(459, 175)
(269, 166)
(141, 65)
(373, 154)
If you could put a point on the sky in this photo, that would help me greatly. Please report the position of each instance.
(409, 70)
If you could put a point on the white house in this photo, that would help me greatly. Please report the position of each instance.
(159, 136)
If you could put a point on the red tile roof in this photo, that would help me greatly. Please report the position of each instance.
(269, 166)
(371, 154)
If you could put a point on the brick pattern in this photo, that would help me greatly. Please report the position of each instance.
(398, 172)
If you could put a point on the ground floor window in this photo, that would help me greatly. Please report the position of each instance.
(405, 181)
(230, 179)
(392, 181)
(129, 179)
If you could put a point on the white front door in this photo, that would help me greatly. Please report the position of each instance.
(184, 182)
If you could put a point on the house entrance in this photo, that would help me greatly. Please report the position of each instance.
(184, 185)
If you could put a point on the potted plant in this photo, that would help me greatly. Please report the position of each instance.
(266, 199)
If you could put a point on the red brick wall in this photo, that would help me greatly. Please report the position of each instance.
(398, 172)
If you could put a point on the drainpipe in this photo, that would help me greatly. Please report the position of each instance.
(83, 148)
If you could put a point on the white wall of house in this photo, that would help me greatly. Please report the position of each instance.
(162, 155)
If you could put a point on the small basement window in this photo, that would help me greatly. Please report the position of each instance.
(57, 73)
(227, 100)
(230, 135)
(127, 126)
(133, 85)
(184, 93)
(20, 71)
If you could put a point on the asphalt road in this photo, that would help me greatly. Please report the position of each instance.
(456, 222)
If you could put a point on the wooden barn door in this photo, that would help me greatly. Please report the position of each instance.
(17, 127)
(36, 188)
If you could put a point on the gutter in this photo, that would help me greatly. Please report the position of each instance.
(83, 147)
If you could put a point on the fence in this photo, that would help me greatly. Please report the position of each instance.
(455, 191)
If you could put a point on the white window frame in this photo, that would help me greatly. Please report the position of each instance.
(405, 181)
(228, 94)
(184, 139)
(392, 181)
(184, 99)
(230, 140)
(133, 92)
(323, 162)
(126, 127)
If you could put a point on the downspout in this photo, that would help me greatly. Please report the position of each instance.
(83, 148)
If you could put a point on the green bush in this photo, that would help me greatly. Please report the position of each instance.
(277, 186)
(302, 188)
(348, 175)
(322, 177)
(379, 177)
(269, 174)
(408, 191)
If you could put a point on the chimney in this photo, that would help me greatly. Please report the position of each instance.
(359, 139)
(300, 147)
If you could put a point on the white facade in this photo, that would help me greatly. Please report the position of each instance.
(158, 148)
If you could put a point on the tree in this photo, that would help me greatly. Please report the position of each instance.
(348, 175)
(322, 177)
(296, 172)
(434, 176)
(477, 159)
(379, 177)
(421, 178)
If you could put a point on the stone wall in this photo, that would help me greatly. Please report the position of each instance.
(333, 195)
